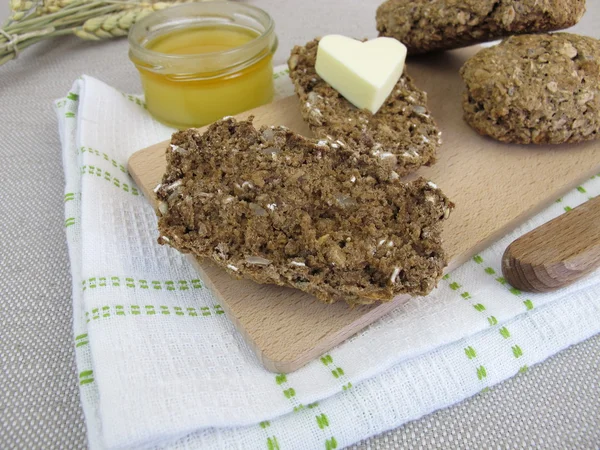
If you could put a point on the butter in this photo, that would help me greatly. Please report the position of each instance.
(363, 72)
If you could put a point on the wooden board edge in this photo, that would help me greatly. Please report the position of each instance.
(275, 365)
(208, 283)
(141, 155)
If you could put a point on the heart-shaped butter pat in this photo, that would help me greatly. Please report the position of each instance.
(363, 72)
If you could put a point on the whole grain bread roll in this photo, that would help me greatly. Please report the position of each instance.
(535, 89)
(429, 25)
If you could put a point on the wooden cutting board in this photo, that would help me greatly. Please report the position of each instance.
(495, 187)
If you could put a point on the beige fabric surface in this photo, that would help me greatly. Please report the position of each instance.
(554, 405)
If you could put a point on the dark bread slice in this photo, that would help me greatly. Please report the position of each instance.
(401, 135)
(275, 207)
(429, 25)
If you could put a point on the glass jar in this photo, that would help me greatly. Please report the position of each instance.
(199, 62)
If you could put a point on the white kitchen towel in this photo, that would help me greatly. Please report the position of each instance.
(160, 364)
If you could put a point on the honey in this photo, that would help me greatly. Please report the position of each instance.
(190, 41)
(201, 68)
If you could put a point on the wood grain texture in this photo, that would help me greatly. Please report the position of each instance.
(557, 253)
(495, 187)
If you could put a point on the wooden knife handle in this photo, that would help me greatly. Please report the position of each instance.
(556, 253)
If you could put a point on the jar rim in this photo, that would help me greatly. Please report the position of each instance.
(202, 10)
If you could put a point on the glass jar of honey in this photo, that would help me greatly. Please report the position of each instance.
(199, 62)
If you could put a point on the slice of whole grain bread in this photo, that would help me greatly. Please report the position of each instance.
(275, 207)
(402, 135)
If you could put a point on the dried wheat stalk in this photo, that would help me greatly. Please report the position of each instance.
(34, 20)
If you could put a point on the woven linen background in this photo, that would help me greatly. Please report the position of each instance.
(554, 405)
